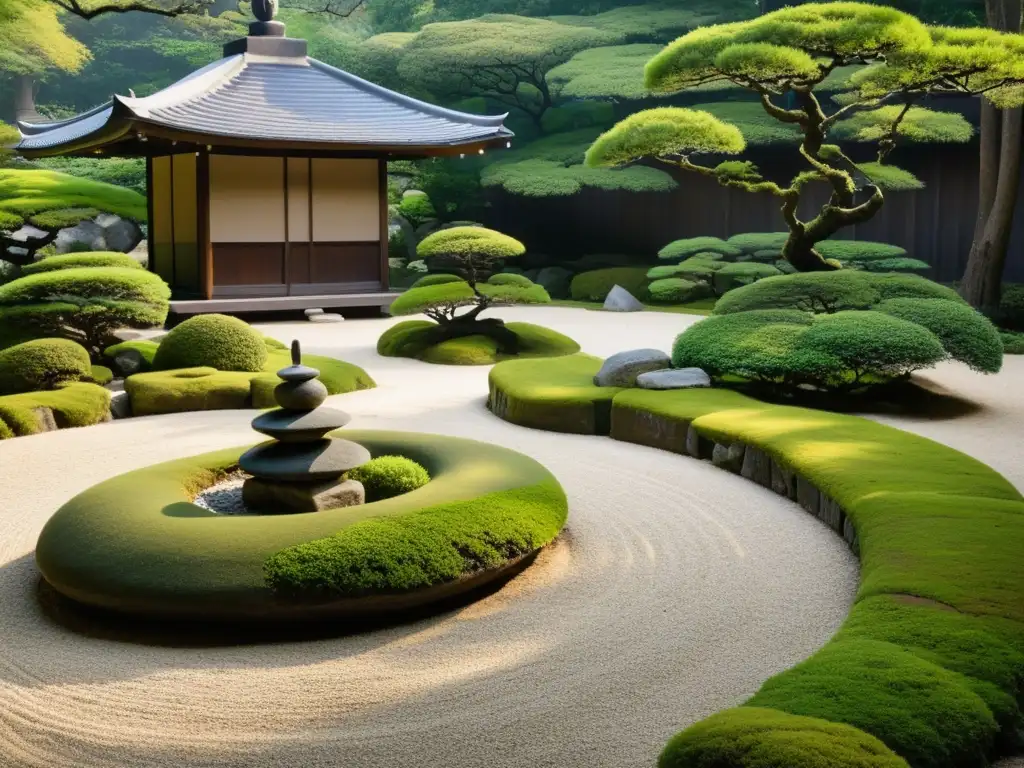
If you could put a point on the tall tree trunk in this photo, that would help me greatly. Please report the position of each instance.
(25, 98)
(998, 181)
(982, 283)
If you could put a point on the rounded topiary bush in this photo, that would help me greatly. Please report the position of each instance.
(754, 242)
(858, 251)
(789, 348)
(436, 279)
(966, 334)
(817, 292)
(509, 278)
(214, 341)
(690, 246)
(388, 476)
(731, 276)
(84, 304)
(42, 364)
(86, 259)
(757, 737)
(673, 290)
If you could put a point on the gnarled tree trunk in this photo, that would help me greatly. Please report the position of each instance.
(999, 178)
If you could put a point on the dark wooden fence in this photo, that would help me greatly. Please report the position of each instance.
(934, 224)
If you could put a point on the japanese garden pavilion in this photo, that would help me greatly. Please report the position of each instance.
(267, 173)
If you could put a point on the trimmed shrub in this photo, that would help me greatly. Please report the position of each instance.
(509, 278)
(731, 276)
(100, 374)
(456, 294)
(817, 292)
(966, 334)
(674, 290)
(789, 348)
(84, 304)
(754, 242)
(436, 279)
(681, 249)
(514, 293)
(866, 345)
(910, 287)
(417, 208)
(663, 272)
(891, 265)
(273, 344)
(87, 259)
(386, 476)
(854, 251)
(757, 737)
(215, 341)
(41, 365)
(415, 338)
(595, 285)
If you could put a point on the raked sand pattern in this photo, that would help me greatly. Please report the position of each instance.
(676, 590)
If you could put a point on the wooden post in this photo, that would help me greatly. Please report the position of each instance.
(382, 193)
(203, 220)
(150, 231)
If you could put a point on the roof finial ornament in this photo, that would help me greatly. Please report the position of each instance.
(264, 10)
(265, 26)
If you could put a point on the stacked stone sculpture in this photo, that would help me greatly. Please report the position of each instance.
(300, 468)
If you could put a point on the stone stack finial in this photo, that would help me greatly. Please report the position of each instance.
(265, 25)
(299, 469)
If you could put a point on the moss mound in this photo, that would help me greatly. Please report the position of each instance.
(100, 374)
(931, 658)
(73, 405)
(756, 737)
(215, 341)
(484, 509)
(87, 259)
(147, 349)
(388, 476)
(205, 389)
(42, 364)
(412, 339)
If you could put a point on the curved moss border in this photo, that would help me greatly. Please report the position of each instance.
(930, 660)
(135, 543)
(79, 404)
(182, 390)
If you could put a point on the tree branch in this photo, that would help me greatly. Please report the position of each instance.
(185, 8)
(329, 9)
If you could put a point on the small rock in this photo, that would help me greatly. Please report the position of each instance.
(86, 235)
(127, 362)
(673, 378)
(313, 311)
(314, 462)
(119, 234)
(622, 369)
(120, 405)
(728, 457)
(45, 419)
(287, 498)
(621, 300)
(300, 395)
(326, 317)
(127, 334)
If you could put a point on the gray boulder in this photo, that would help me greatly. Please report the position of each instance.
(673, 378)
(127, 362)
(621, 370)
(120, 405)
(621, 300)
(555, 280)
(26, 233)
(290, 498)
(119, 234)
(84, 236)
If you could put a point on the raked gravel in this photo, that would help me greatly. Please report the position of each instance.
(676, 590)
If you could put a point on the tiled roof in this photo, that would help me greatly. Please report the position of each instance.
(277, 98)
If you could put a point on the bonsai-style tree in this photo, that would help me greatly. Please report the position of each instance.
(783, 57)
(474, 254)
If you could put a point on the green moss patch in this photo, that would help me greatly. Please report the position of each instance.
(930, 661)
(411, 339)
(387, 476)
(135, 543)
(73, 405)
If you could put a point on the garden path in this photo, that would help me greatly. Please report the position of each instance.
(676, 591)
